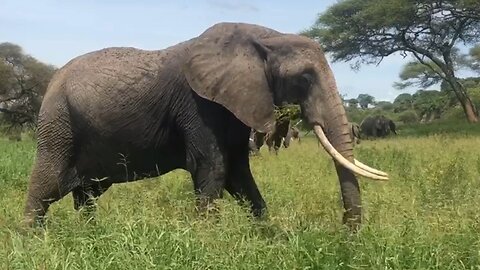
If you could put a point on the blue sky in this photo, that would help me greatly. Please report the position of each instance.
(56, 31)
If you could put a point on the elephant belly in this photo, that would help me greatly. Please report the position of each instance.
(120, 162)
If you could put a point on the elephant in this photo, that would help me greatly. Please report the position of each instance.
(392, 126)
(123, 114)
(377, 126)
(273, 139)
(292, 134)
(355, 132)
(252, 146)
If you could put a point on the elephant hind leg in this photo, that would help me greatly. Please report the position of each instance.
(48, 184)
(53, 175)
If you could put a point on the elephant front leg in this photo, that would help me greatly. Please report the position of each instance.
(209, 181)
(277, 144)
(241, 184)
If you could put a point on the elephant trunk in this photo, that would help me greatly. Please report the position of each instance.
(334, 135)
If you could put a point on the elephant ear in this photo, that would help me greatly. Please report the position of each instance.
(230, 70)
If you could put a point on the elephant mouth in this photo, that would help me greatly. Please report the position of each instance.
(355, 167)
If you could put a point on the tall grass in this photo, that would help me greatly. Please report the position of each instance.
(426, 217)
(446, 127)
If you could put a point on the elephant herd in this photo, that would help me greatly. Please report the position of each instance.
(190, 106)
(282, 134)
(377, 126)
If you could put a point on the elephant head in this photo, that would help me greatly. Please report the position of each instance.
(392, 126)
(250, 69)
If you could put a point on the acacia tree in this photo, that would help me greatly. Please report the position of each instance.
(427, 30)
(364, 100)
(474, 60)
(403, 102)
(23, 81)
(352, 103)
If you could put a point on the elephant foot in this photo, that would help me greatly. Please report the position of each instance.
(35, 221)
(260, 214)
(352, 221)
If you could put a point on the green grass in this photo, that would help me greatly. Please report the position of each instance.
(426, 217)
(451, 128)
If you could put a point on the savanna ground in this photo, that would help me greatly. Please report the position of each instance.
(426, 217)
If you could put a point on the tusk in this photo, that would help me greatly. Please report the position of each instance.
(369, 169)
(341, 159)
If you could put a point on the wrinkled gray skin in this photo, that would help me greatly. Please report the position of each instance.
(124, 114)
(377, 126)
(355, 133)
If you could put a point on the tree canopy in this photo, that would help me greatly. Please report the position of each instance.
(475, 58)
(23, 81)
(364, 100)
(429, 31)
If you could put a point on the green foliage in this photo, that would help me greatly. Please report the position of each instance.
(429, 101)
(373, 29)
(290, 111)
(408, 117)
(474, 94)
(364, 100)
(451, 127)
(403, 102)
(429, 31)
(384, 105)
(420, 75)
(23, 81)
(454, 113)
(471, 84)
(352, 103)
(423, 218)
(475, 58)
(287, 112)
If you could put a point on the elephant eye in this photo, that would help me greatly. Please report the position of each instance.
(307, 77)
(305, 80)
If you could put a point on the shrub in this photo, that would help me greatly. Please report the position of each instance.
(408, 117)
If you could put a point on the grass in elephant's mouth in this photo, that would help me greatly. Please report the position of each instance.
(425, 217)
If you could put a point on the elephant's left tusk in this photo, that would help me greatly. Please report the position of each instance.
(368, 168)
(341, 159)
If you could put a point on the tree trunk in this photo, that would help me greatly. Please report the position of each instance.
(468, 107)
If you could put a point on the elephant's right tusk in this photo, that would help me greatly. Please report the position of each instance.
(368, 168)
(341, 159)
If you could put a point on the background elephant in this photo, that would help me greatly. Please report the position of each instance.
(292, 134)
(252, 146)
(392, 126)
(124, 114)
(355, 132)
(377, 126)
(272, 139)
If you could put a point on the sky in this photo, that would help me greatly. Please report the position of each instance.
(55, 31)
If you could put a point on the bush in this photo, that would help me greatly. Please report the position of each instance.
(408, 117)
(454, 113)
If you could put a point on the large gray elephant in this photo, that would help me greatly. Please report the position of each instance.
(377, 126)
(124, 114)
